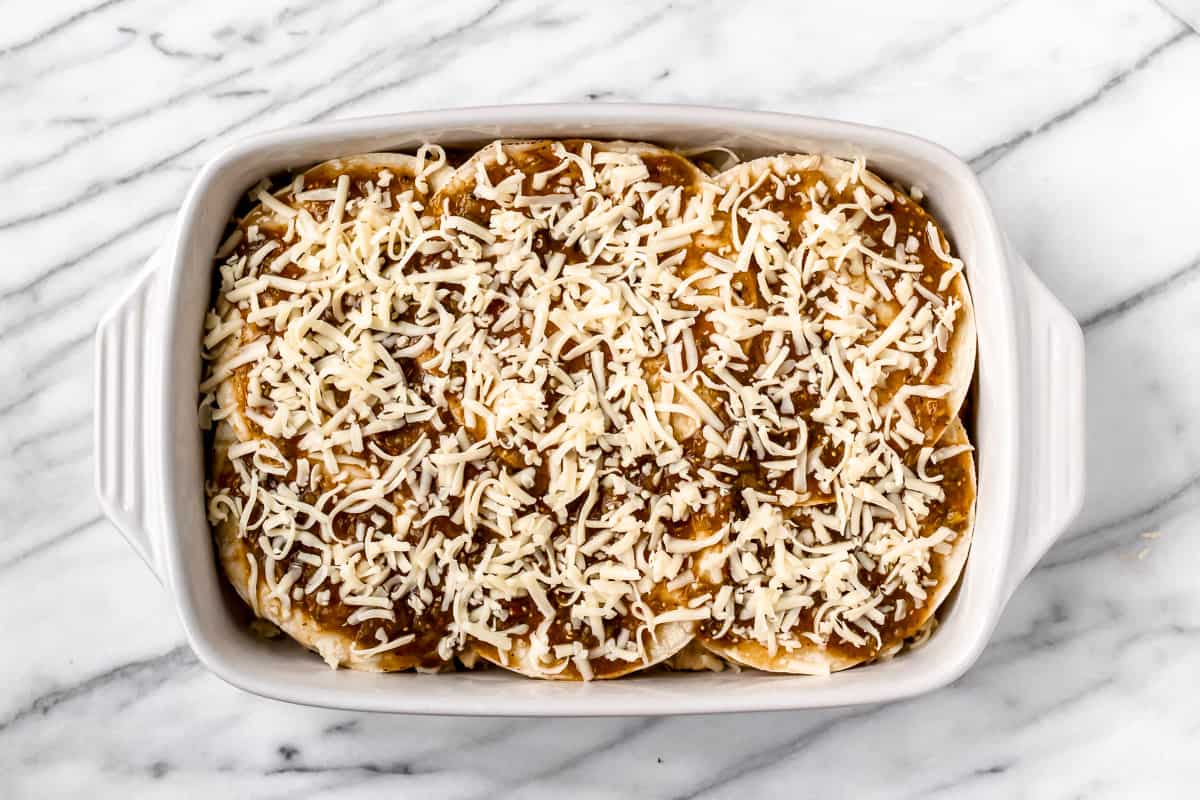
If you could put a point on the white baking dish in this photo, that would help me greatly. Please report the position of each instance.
(150, 463)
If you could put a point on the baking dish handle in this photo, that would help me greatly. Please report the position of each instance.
(1054, 421)
(124, 423)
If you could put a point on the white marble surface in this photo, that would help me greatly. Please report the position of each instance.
(1080, 117)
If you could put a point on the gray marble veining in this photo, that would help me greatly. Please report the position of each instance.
(1081, 120)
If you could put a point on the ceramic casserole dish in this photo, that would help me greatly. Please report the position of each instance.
(1027, 401)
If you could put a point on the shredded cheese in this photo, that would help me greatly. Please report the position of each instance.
(580, 395)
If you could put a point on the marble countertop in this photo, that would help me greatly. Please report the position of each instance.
(1081, 120)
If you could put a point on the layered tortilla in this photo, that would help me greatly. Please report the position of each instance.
(577, 408)
(284, 351)
(872, 275)
(821, 599)
(587, 244)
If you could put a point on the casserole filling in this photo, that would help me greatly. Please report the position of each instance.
(572, 407)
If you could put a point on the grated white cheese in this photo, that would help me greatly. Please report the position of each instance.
(520, 411)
